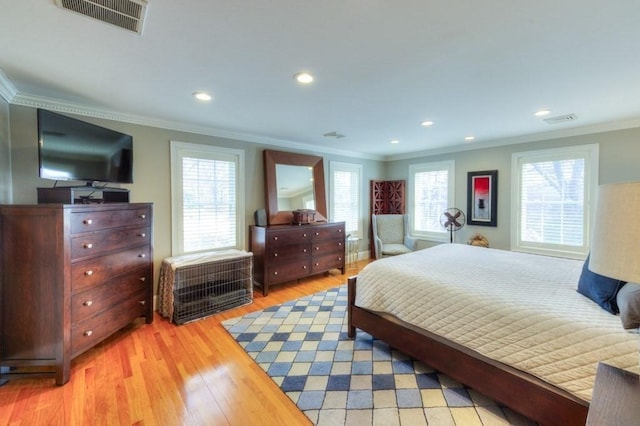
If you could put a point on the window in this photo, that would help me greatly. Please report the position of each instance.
(554, 192)
(431, 191)
(207, 193)
(346, 195)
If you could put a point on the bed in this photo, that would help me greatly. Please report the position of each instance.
(510, 325)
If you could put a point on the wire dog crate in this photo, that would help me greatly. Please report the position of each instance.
(205, 284)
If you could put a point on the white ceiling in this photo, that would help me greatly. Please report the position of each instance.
(381, 67)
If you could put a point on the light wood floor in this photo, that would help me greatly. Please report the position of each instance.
(163, 374)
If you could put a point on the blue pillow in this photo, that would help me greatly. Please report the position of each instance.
(602, 290)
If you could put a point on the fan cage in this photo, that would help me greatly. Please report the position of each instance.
(214, 286)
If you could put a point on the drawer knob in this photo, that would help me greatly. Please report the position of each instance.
(87, 245)
(88, 333)
(88, 273)
(142, 235)
(304, 235)
(88, 302)
(275, 273)
(142, 255)
(339, 258)
(142, 216)
(275, 254)
(339, 244)
(317, 233)
(142, 302)
(339, 231)
(304, 250)
(275, 238)
(317, 248)
(317, 264)
(304, 267)
(87, 221)
(143, 279)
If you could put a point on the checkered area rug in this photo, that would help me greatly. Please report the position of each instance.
(303, 346)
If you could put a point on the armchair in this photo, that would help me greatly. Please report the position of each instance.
(391, 235)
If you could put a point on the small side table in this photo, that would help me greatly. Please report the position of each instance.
(353, 244)
(616, 398)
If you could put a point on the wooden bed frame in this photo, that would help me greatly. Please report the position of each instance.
(522, 392)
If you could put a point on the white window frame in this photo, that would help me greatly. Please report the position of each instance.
(336, 166)
(449, 166)
(590, 154)
(179, 150)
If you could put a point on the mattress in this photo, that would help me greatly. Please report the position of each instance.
(519, 309)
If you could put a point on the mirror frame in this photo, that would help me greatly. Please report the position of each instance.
(271, 158)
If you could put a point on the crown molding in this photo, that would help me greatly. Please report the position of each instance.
(534, 137)
(9, 93)
(7, 90)
(35, 101)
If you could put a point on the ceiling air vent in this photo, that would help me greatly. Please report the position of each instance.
(333, 135)
(127, 14)
(561, 119)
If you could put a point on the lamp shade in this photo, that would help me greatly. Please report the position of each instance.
(615, 248)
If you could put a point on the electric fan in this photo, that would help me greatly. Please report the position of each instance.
(452, 219)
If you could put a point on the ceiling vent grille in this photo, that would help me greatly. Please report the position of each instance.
(334, 135)
(127, 14)
(561, 119)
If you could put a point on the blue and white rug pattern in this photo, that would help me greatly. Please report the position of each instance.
(303, 346)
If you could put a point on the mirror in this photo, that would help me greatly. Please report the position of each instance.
(293, 181)
(295, 187)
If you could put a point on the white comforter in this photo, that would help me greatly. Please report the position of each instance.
(522, 310)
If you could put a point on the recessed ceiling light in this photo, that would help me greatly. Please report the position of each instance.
(542, 112)
(303, 77)
(427, 123)
(395, 141)
(469, 138)
(202, 96)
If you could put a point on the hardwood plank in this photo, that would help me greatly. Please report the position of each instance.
(161, 373)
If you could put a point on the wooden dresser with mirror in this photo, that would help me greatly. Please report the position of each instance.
(284, 251)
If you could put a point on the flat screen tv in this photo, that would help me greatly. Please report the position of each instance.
(74, 150)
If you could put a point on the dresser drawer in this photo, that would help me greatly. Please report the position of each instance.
(286, 253)
(329, 231)
(287, 272)
(280, 237)
(328, 247)
(86, 334)
(92, 272)
(89, 244)
(325, 263)
(95, 220)
(105, 296)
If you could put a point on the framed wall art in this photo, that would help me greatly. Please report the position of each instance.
(482, 198)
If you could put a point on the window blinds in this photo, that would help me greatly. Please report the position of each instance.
(431, 189)
(346, 199)
(552, 207)
(208, 204)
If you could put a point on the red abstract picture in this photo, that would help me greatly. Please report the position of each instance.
(482, 201)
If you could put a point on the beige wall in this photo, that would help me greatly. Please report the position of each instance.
(5, 157)
(152, 169)
(619, 162)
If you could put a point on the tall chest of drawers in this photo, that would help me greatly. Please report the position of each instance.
(70, 276)
(287, 252)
